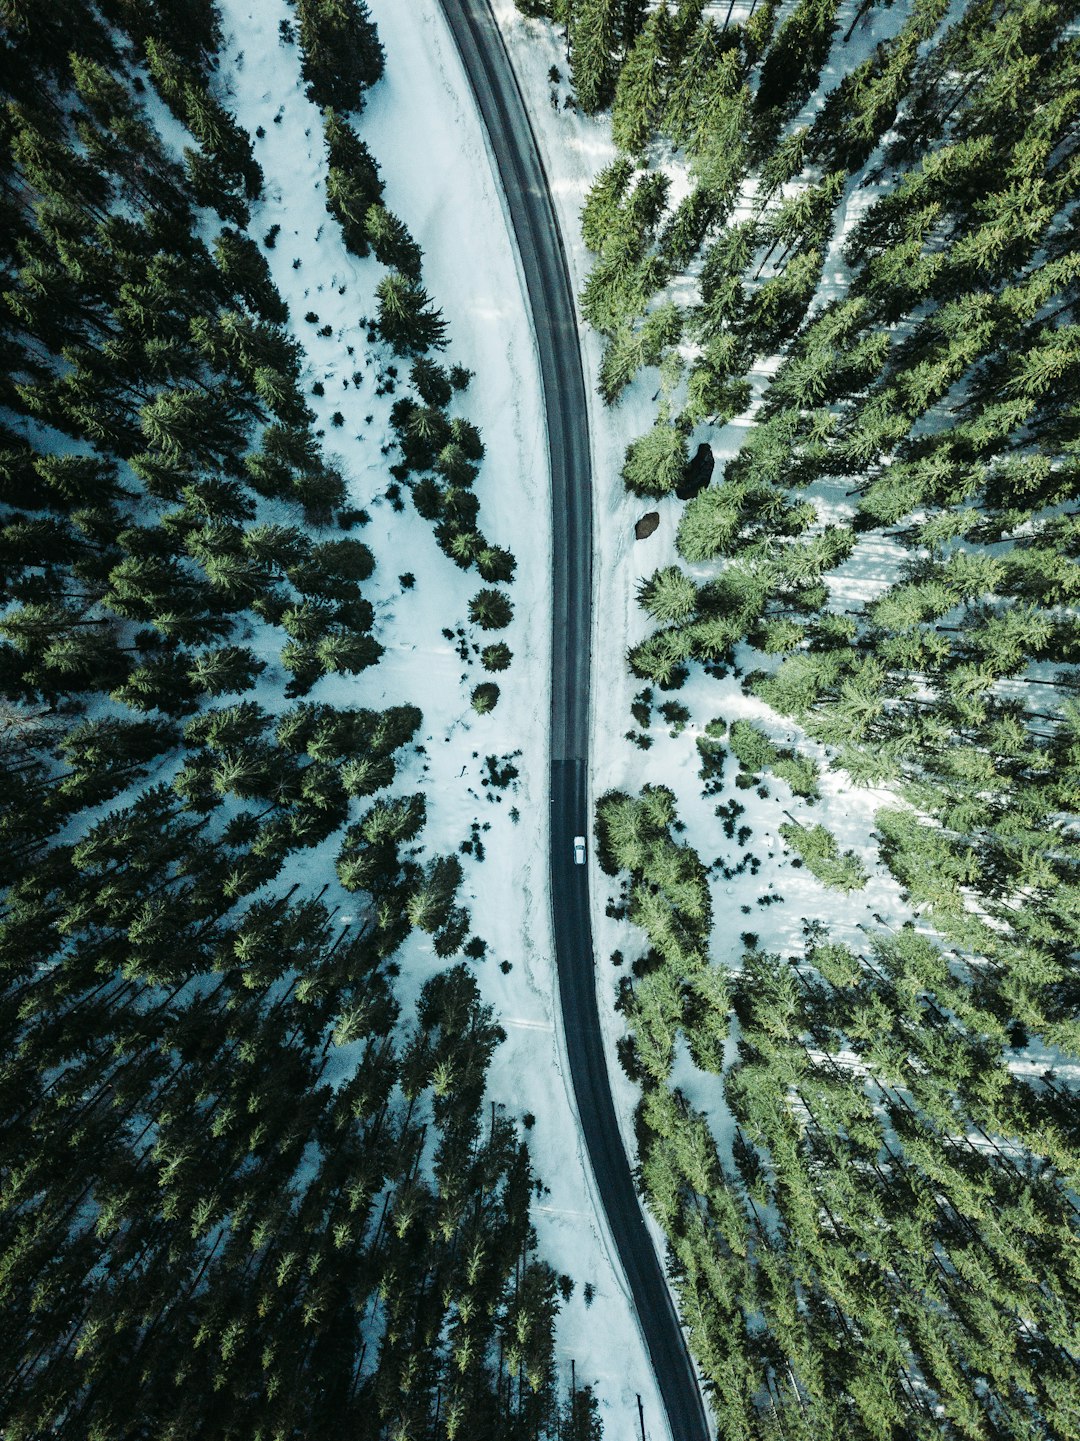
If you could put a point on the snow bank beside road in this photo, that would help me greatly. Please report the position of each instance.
(422, 126)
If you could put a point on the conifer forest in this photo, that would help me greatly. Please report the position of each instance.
(212, 1225)
(885, 1245)
(263, 1174)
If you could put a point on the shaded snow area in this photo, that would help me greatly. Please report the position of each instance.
(422, 126)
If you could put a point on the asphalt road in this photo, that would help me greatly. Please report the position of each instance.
(551, 298)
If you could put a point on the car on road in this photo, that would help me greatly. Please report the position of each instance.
(579, 850)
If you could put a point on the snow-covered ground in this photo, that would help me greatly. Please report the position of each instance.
(575, 148)
(422, 126)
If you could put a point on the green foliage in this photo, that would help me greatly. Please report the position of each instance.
(353, 185)
(391, 242)
(668, 595)
(496, 657)
(490, 610)
(341, 52)
(818, 849)
(225, 1150)
(604, 202)
(623, 223)
(223, 172)
(485, 697)
(639, 92)
(655, 462)
(407, 318)
(927, 391)
(593, 36)
(755, 753)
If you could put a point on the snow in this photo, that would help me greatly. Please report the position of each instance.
(422, 126)
(575, 148)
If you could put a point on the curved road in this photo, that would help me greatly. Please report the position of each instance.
(551, 298)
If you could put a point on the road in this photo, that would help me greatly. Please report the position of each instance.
(550, 293)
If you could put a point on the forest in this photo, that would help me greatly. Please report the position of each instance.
(246, 1193)
(865, 301)
(252, 1184)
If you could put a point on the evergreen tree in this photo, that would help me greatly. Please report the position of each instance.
(655, 462)
(640, 86)
(407, 319)
(353, 185)
(394, 247)
(342, 54)
(593, 39)
(490, 610)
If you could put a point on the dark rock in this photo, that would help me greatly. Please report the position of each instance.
(646, 525)
(697, 474)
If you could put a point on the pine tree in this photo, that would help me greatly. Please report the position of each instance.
(668, 595)
(391, 242)
(604, 201)
(353, 184)
(407, 319)
(342, 54)
(655, 462)
(640, 87)
(490, 610)
(593, 39)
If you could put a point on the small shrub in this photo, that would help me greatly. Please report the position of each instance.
(501, 771)
(729, 812)
(348, 518)
(485, 697)
(497, 656)
(490, 610)
(711, 750)
(676, 715)
(641, 707)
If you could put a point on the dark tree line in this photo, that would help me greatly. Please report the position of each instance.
(441, 454)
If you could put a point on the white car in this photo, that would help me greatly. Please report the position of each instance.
(579, 850)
